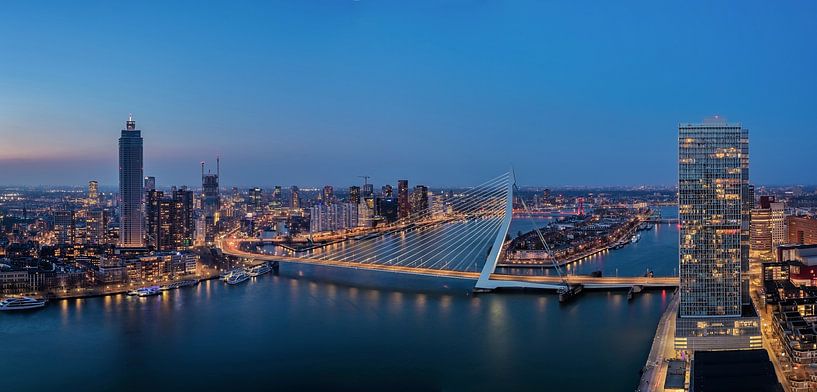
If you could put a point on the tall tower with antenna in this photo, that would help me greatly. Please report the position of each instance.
(131, 225)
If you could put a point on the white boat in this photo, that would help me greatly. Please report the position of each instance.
(635, 238)
(181, 283)
(237, 277)
(22, 303)
(260, 269)
(229, 273)
(148, 291)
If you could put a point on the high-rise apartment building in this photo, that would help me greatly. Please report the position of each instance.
(714, 205)
(131, 228)
(338, 216)
(403, 206)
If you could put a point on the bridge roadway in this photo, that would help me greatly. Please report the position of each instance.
(231, 247)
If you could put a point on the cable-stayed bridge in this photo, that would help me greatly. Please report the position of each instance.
(462, 240)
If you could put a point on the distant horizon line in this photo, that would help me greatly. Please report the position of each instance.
(303, 187)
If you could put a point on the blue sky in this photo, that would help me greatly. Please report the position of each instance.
(440, 92)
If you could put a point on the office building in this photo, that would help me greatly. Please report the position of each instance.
(403, 206)
(211, 200)
(294, 199)
(93, 193)
(354, 194)
(254, 200)
(713, 193)
(387, 209)
(368, 190)
(419, 201)
(387, 191)
(150, 183)
(97, 223)
(276, 196)
(131, 228)
(64, 226)
(801, 230)
(328, 195)
(767, 229)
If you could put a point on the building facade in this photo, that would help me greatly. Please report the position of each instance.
(767, 229)
(403, 205)
(714, 205)
(801, 230)
(131, 227)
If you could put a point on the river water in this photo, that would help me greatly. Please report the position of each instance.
(335, 329)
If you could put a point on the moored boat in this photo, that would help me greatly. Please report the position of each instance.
(237, 277)
(148, 291)
(180, 283)
(260, 269)
(22, 303)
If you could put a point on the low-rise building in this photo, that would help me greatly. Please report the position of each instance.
(13, 280)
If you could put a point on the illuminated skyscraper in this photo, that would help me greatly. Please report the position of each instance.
(328, 195)
(131, 230)
(368, 190)
(403, 206)
(96, 221)
(419, 200)
(713, 192)
(211, 200)
(295, 199)
(354, 194)
(150, 183)
(255, 196)
(93, 193)
(276, 196)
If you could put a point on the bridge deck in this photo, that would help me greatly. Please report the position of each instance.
(500, 280)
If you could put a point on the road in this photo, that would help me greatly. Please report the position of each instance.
(231, 246)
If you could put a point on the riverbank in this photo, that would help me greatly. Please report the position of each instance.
(615, 243)
(414, 328)
(100, 291)
(662, 349)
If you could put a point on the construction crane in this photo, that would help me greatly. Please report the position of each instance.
(365, 179)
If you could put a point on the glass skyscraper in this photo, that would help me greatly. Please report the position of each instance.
(713, 207)
(131, 226)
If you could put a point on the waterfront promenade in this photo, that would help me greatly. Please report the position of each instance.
(655, 370)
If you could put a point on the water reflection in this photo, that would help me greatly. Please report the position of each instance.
(456, 341)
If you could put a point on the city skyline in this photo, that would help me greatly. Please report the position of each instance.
(359, 88)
